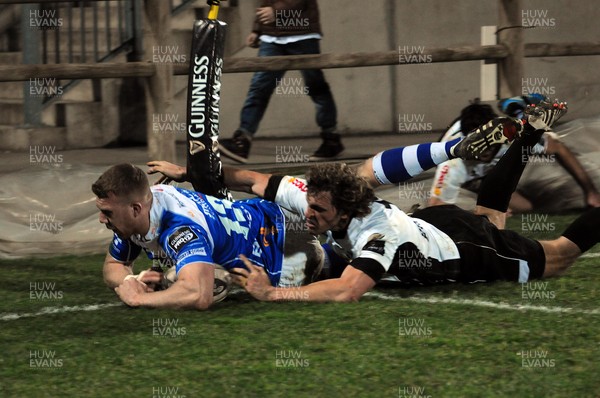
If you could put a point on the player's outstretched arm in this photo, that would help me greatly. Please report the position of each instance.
(235, 179)
(114, 272)
(569, 161)
(167, 169)
(246, 180)
(350, 286)
(192, 290)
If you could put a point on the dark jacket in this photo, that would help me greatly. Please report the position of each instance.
(292, 17)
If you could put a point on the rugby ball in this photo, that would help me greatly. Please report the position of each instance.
(221, 286)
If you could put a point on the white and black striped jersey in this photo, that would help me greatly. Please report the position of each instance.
(386, 241)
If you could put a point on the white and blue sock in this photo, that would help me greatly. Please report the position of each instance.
(401, 164)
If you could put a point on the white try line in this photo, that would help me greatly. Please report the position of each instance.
(377, 295)
(481, 303)
(58, 310)
(590, 255)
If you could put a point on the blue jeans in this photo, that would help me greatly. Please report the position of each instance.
(263, 84)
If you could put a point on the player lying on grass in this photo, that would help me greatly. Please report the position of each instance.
(192, 231)
(437, 244)
(450, 176)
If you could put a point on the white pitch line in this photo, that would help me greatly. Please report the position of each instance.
(58, 310)
(487, 304)
(590, 255)
(378, 295)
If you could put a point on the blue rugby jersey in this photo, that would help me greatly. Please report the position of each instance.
(188, 227)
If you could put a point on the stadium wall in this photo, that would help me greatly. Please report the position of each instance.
(376, 99)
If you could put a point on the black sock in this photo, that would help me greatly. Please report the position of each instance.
(585, 230)
(500, 183)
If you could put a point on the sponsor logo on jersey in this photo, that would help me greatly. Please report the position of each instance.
(375, 244)
(201, 251)
(439, 184)
(181, 237)
(297, 183)
(179, 202)
(267, 232)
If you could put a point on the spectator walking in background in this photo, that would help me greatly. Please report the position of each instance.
(285, 27)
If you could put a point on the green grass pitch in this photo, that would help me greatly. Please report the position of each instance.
(482, 341)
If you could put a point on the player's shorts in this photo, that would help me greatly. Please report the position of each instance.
(486, 253)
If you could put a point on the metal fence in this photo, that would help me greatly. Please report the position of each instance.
(80, 32)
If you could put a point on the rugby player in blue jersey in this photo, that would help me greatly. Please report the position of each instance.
(192, 231)
(436, 245)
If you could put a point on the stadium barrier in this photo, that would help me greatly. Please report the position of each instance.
(295, 62)
(509, 55)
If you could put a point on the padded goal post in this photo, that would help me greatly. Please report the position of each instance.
(204, 167)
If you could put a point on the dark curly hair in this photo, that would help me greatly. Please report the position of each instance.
(350, 194)
(474, 115)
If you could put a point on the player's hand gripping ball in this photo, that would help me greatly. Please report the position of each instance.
(221, 286)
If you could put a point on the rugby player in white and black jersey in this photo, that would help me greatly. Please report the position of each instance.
(450, 244)
(439, 244)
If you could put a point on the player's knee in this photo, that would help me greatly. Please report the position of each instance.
(560, 254)
(496, 217)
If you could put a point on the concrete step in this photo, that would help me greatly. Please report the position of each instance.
(87, 40)
(77, 57)
(10, 58)
(84, 123)
(12, 112)
(11, 90)
(21, 138)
